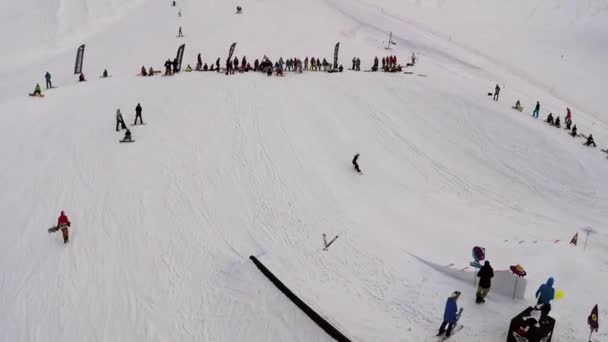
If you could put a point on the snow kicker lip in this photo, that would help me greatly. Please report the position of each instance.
(313, 315)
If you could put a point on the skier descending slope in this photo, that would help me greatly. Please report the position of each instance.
(355, 163)
(451, 315)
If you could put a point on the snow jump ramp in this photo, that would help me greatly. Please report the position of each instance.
(313, 315)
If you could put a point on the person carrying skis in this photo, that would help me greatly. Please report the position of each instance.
(120, 122)
(536, 110)
(138, 115)
(485, 274)
(450, 315)
(47, 77)
(356, 163)
(496, 92)
(63, 223)
(590, 141)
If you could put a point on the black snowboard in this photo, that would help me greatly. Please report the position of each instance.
(53, 229)
(126, 141)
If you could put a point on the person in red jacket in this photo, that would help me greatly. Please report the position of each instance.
(63, 223)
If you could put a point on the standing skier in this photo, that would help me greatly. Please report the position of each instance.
(355, 163)
(120, 122)
(536, 110)
(47, 77)
(496, 92)
(63, 223)
(138, 115)
(485, 274)
(450, 315)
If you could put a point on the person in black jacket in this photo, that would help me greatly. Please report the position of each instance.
(485, 274)
(138, 115)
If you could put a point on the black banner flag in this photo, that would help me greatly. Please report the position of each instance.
(232, 47)
(180, 56)
(336, 55)
(79, 60)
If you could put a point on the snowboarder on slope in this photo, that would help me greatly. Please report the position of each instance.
(138, 115)
(574, 131)
(81, 78)
(47, 77)
(496, 92)
(557, 123)
(450, 315)
(536, 110)
(550, 118)
(63, 223)
(127, 136)
(518, 106)
(485, 274)
(590, 141)
(355, 163)
(37, 91)
(105, 73)
(120, 122)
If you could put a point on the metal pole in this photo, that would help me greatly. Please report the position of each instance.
(515, 288)
(586, 239)
(390, 37)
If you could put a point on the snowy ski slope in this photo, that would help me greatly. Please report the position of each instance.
(228, 167)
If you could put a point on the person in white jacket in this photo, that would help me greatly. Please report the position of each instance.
(120, 122)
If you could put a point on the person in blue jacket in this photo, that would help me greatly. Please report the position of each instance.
(546, 292)
(450, 315)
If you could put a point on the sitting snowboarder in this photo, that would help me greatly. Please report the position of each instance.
(63, 223)
(239, 10)
(573, 133)
(356, 163)
(105, 73)
(127, 137)
(568, 124)
(590, 141)
(550, 118)
(188, 68)
(143, 71)
(81, 78)
(518, 106)
(151, 72)
(206, 67)
(37, 91)
(557, 123)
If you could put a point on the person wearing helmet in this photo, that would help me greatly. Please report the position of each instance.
(63, 223)
(450, 315)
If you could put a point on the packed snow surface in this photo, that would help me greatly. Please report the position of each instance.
(232, 166)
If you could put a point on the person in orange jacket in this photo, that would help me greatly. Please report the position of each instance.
(63, 223)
